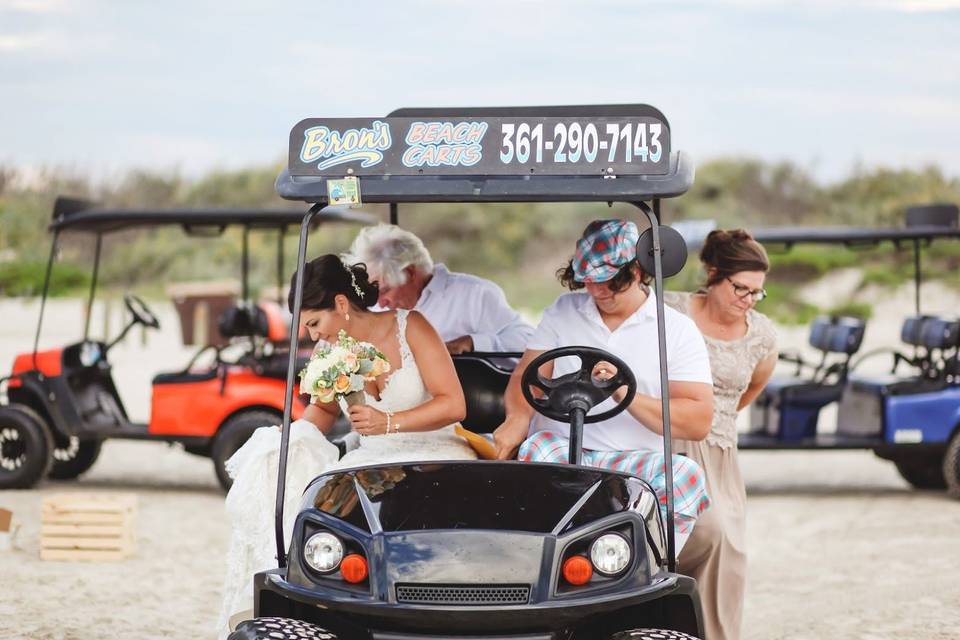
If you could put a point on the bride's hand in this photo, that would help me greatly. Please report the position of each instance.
(367, 421)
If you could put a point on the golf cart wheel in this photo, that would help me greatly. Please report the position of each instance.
(26, 447)
(651, 634)
(231, 436)
(951, 466)
(75, 458)
(923, 473)
(279, 629)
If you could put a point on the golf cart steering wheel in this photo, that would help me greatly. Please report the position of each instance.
(140, 311)
(581, 389)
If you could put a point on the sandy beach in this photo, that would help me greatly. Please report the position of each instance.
(840, 546)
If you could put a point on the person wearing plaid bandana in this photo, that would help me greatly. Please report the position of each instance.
(617, 312)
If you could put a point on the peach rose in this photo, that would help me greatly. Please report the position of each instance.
(341, 384)
(380, 366)
(351, 363)
(326, 396)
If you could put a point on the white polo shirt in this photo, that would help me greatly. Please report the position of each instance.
(573, 320)
(460, 304)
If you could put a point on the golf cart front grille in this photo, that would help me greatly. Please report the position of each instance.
(463, 594)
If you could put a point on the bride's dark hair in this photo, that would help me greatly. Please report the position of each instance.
(327, 276)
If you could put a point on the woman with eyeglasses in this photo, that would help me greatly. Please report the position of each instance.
(741, 343)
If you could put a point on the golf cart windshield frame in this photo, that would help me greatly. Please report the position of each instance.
(640, 184)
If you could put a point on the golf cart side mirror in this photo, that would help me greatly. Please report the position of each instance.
(673, 250)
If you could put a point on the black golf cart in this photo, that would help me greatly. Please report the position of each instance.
(911, 415)
(487, 549)
(61, 403)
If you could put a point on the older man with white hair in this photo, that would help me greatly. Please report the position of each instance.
(469, 313)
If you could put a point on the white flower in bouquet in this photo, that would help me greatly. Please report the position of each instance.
(340, 369)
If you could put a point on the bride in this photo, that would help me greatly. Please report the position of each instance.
(408, 416)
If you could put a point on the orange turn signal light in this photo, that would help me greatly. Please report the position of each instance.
(577, 570)
(353, 568)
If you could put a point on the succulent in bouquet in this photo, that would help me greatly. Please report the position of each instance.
(341, 370)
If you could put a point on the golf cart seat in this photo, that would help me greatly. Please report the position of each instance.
(788, 408)
(265, 319)
(867, 399)
(484, 385)
(242, 321)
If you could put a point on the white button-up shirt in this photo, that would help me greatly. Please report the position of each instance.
(574, 320)
(459, 304)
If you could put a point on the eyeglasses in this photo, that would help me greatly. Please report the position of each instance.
(742, 292)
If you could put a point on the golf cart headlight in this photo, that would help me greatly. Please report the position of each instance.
(610, 554)
(323, 552)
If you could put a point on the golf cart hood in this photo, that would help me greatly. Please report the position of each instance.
(464, 522)
(477, 495)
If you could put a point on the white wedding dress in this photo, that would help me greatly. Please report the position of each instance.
(251, 501)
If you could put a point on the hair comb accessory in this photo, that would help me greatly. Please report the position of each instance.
(353, 282)
(353, 278)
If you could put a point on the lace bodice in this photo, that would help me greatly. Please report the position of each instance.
(405, 390)
(732, 363)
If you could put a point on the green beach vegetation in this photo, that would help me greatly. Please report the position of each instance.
(519, 246)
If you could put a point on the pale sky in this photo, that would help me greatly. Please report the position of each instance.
(106, 86)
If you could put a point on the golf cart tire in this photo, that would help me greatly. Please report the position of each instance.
(231, 436)
(279, 629)
(87, 453)
(37, 444)
(951, 466)
(651, 634)
(922, 474)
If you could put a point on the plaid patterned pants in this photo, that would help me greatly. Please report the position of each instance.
(689, 489)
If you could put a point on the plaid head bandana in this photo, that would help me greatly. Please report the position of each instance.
(605, 247)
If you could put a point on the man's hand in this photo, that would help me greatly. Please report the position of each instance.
(604, 370)
(463, 344)
(508, 437)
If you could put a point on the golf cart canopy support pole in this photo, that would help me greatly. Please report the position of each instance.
(916, 274)
(43, 298)
(93, 286)
(653, 216)
(245, 266)
(280, 234)
(291, 379)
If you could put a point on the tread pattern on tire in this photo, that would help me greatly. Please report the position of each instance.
(951, 467)
(652, 634)
(44, 429)
(270, 628)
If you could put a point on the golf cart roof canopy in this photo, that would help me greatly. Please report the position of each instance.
(923, 222)
(851, 236)
(490, 154)
(79, 215)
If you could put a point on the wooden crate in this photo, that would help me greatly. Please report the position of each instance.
(88, 526)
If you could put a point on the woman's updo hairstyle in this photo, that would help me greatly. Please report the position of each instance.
(726, 252)
(326, 277)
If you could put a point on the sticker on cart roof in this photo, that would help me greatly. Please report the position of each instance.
(523, 145)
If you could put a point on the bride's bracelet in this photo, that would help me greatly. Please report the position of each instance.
(395, 425)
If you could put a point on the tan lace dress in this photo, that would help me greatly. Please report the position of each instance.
(715, 554)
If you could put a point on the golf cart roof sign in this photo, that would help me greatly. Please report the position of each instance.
(524, 144)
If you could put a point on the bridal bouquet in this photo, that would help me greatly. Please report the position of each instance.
(341, 369)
